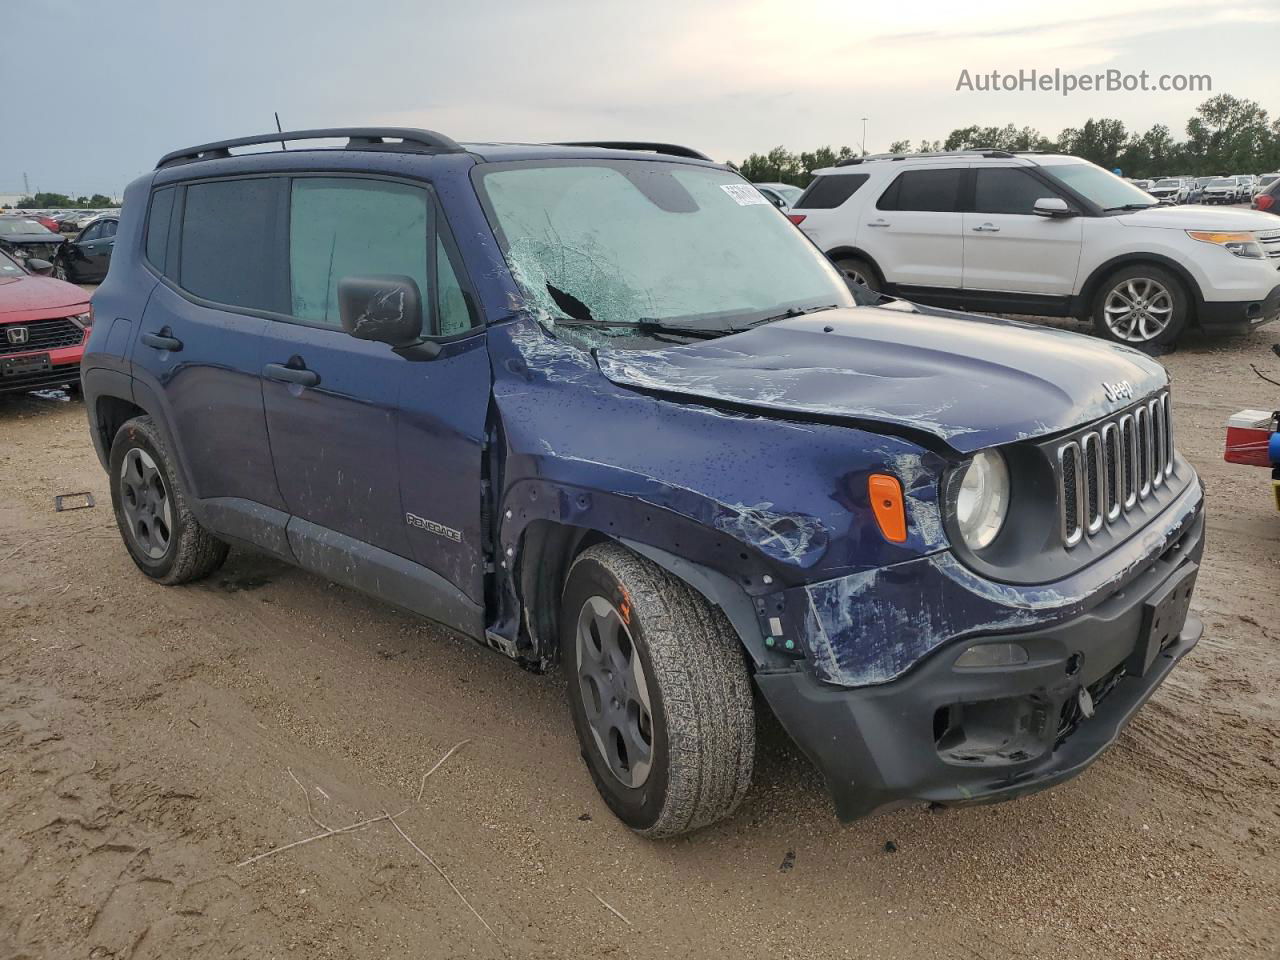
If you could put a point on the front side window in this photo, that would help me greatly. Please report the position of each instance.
(624, 241)
(1099, 186)
(346, 227)
(1008, 190)
(91, 232)
(933, 191)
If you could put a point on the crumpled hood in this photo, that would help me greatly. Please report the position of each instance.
(973, 382)
(1198, 217)
(38, 293)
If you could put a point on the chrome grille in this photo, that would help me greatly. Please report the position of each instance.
(1270, 241)
(1109, 469)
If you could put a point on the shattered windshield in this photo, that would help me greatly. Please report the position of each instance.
(628, 241)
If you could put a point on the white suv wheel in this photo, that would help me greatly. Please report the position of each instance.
(1138, 310)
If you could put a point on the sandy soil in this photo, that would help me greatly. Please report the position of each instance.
(148, 736)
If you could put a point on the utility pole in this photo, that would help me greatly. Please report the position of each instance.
(26, 187)
(864, 136)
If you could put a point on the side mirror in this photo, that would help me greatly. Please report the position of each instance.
(39, 267)
(1054, 207)
(383, 308)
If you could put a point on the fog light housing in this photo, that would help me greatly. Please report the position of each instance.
(987, 655)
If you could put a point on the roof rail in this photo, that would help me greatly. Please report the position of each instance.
(358, 138)
(988, 152)
(671, 149)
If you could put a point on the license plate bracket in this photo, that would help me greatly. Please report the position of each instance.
(24, 365)
(1163, 615)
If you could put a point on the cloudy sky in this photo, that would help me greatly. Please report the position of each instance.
(97, 90)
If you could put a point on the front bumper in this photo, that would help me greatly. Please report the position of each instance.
(1238, 316)
(939, 733)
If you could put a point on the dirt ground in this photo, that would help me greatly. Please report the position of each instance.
(150, 736)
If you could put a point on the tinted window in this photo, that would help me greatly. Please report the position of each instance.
(228, 243)
(828, 192)
(108, 229)
(158, 226)
(931, 190)
(1008, 191)
(344, 227)
(91, 232)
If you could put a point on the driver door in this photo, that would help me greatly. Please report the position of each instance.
(1008, 248)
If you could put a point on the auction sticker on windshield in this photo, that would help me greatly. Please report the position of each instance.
(744, 193)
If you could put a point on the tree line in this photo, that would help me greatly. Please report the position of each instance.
(55, 201)
(1225, 136)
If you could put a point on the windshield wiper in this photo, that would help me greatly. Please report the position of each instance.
(792, 312)
(646, 325)
(1130, 206)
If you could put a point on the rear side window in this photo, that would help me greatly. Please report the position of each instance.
(1008, 190)
(826, 193)
(925, 190)
(228, 243)
(345, 227)
(158, 226)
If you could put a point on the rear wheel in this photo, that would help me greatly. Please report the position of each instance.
(162, 536)
(1143, 306)
(658, 691)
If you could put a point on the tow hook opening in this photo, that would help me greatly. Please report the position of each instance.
(992, 732)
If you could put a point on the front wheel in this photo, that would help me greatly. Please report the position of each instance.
(658, 691)
(1141, 306)
(162, 536)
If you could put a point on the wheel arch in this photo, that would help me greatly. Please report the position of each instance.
(1089, 291)
(843, 252)
(547, 551)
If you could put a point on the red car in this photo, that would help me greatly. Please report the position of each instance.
(43, 326)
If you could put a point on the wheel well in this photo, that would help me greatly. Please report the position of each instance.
(112, 414)
(843, 253)
(1103, 273)
(547, 551)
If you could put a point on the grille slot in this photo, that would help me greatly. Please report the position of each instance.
(1108, 470)
(42, 335)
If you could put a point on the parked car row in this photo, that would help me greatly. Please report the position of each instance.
(83, 258)
(1240, 188)
(64, 221)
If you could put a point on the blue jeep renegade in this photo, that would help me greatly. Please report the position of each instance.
(601, 405)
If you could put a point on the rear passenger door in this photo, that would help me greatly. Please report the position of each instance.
(1007, 247)
(197, 354)
(914, 230)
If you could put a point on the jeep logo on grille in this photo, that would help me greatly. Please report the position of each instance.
(1120, 390)
(18, 335)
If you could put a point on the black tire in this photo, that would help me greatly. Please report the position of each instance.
(858, 272)
(1151, 287)
(701, 715)
(185, 551)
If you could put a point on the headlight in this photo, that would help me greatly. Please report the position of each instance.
(983, 499)
(83, 320)
(1241, 244)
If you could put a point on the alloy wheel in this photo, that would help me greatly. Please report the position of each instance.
(615, 692)
(145, 500)
(1138, 310)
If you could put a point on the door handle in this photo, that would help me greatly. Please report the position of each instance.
(986, 228)
(878, 223)
(164, 340)
(286, 374)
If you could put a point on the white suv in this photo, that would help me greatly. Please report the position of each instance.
(1043, 234)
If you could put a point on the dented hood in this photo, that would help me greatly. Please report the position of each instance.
(973, 382)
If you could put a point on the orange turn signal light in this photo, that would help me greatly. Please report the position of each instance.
(886, 503)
